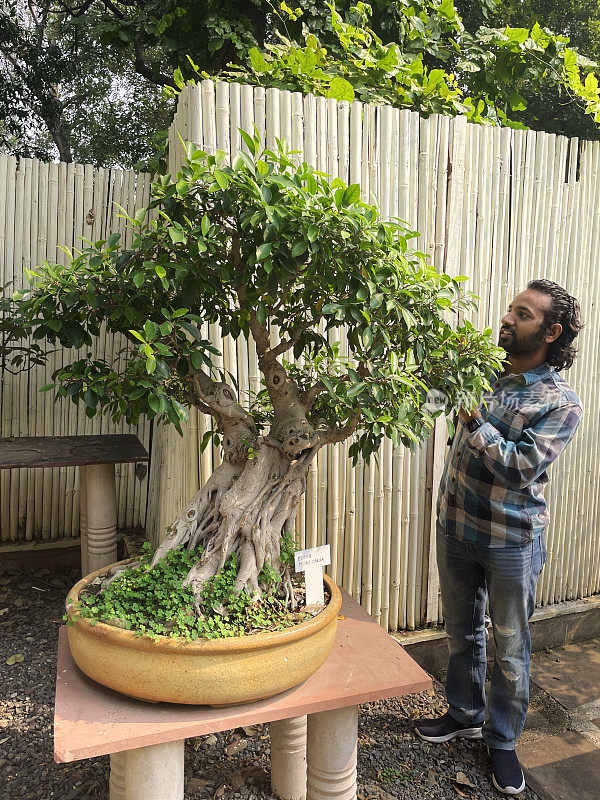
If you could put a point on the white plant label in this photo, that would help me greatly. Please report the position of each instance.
(311, 563)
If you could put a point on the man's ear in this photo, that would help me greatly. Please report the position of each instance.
(553, 332)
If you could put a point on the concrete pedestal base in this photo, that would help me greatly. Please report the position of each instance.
(331, 754)
(288, 758)
(117, 776)
(155, 772)
(99, 516)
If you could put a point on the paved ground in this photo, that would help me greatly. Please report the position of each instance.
(560, 746)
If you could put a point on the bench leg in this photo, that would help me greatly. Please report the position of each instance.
(101, 515)
(331, 754)
(288, 758)
(117, 776)
(155, 772)
(83, 529)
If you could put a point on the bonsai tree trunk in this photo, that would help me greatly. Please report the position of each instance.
(251, 499)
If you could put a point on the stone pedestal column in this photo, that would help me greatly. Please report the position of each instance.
(101, 515)
(83, 521)
(155, 772)
(288, 758)
(331, 754)
(117, 776)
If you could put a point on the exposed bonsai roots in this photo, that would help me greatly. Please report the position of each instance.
(242, 510)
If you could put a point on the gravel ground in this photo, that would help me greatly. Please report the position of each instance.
(392, 762)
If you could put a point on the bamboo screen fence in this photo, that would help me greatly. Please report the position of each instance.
(498, 205)
(44, 207)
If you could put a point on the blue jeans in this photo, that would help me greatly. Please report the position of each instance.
(468, 573)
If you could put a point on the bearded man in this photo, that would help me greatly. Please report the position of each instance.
(491, 517)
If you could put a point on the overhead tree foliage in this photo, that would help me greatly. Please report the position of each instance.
(82, 79)
(548, 107)
(63, 93)
(434, 66)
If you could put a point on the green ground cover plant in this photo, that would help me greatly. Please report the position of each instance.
(152, 600)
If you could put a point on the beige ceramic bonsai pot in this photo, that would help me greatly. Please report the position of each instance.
(212, 671)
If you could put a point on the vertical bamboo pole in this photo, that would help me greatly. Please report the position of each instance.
(366, 595)
(26, 486)
(591, 369)
(35, 398)
(7, 477)
(20, 405)
(554, 244)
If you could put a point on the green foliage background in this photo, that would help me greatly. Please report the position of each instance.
(86, 78)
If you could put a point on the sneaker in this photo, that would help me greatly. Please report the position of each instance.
(507, 775)
(442, 729)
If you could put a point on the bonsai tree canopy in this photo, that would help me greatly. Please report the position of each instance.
(271, 249)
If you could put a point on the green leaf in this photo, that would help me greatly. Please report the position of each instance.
(517, 101)
(248, 140)
(263, 250)
(298, 249)
(177, 235)
(355, 389)
(340, 89)
(221, 179)
(138, 279)
(150, 329)
(351, 195)
(258, 61)
(261, 313)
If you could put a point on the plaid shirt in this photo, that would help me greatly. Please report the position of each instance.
(492, 486)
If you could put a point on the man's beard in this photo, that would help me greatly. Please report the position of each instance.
(523, 345)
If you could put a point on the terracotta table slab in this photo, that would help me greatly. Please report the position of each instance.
(365, 664)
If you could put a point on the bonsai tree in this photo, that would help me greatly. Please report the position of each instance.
(267, 244)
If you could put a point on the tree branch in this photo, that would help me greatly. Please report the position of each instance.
(308, 397)
(260, 333)
(159, 78)
(333, 435)
(219, 399)
(285, 344)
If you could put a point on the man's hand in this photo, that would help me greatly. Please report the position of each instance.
(467, 415)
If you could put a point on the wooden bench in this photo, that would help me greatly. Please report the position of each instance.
(96, 457)
(312, 756)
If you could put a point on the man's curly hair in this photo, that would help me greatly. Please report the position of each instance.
(565, 310)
